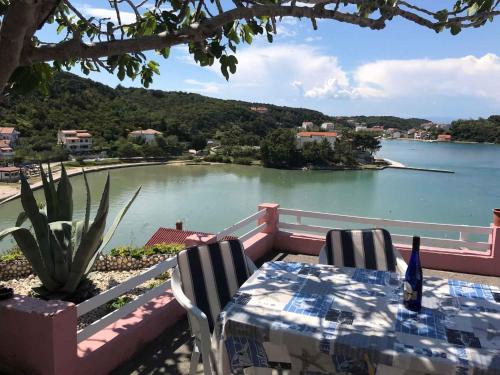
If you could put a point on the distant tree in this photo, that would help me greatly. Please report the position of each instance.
(198, 142)
(151, 150)
(129, 150)
(212, 30)
(366, 142)
(311, 153)
(279, 149)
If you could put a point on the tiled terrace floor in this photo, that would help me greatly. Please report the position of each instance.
(170, 352)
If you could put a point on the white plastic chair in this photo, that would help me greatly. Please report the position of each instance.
(382, 242)
(198, 319)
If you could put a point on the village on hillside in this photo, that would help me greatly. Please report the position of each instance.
(77, 144)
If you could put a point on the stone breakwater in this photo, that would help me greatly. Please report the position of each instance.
(20, 268)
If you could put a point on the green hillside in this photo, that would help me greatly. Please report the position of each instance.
(110, 113)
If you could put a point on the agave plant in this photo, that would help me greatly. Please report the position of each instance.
(62, 251)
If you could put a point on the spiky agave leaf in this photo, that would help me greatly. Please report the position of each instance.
(77, 234)
(39, 222)
(21, 218)
(31, 251)
(50, 194)
(60, 236)
(112, 229)
(64, 197)
(87, 204)
(90, 242)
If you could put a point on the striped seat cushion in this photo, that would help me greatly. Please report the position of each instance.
(212, 274)
(365, 248)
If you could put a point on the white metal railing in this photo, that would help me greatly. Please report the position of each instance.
(118, 290)
(243, 223)
(464, 231)
(149, 274)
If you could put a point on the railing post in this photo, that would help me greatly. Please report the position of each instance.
(271, 218)
(38, 336)
(495, 241)
(196, 240)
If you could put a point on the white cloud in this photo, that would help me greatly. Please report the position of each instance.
(203, 87)
(126, 17)
(465, 76)
(310, 39)
(282, 73)
(274, 69)
(285, 31)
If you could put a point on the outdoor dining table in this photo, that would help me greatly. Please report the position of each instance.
(296, 318)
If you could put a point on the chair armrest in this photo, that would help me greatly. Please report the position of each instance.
(198, 319)
(322, 255)
(401, 265)
(251, 267)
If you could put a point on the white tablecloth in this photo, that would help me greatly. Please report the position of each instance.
(295, 318)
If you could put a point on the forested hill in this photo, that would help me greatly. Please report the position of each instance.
(74, 102)
(480, 130)
(110, 113)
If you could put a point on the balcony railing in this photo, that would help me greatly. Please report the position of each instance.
(258, 222)
(463, 232)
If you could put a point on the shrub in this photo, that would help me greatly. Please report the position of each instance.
(243, 161)
(217, 158)
(139, 252)
(11, 255)
(118, 302)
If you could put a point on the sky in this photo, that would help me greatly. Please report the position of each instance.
(343, 70)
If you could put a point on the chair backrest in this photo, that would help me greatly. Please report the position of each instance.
(212, 274)
(364, 248)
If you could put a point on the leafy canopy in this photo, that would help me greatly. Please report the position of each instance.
(212, 29)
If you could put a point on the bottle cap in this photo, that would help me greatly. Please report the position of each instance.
(416, 242)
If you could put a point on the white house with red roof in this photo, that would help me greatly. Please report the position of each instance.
(305, 137)
(9, 134)
(6, 152)
(75, 141)
(9, 174)
(149, 135)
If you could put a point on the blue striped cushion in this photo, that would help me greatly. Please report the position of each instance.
(364, 248)
(212, 274)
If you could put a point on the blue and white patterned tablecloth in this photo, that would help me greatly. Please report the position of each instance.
(295, 318)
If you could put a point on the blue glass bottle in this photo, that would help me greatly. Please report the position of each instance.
(413, 279)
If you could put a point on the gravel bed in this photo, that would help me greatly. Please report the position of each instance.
(102, 280)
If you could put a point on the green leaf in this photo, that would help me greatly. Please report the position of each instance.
(64, 197)
(60, 235)
(87, 203)
(116, 222)
(165, 52)
(38, 221)
(473, 9)
(455, 28)
(89, 244)
(31, 251)
(60, 28)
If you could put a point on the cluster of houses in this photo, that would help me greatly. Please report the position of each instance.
(8, 140)
(80, 141)
(309, 132)
(425, 132)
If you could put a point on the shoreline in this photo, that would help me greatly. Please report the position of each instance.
(9, 192)
(436, 141)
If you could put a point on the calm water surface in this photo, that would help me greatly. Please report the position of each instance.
(210, 198)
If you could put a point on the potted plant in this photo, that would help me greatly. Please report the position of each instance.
(61, 250)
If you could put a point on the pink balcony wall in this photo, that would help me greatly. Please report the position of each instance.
(40, 336)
